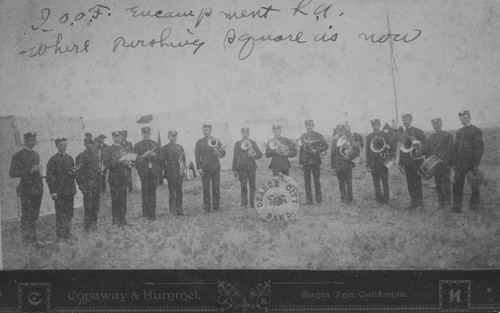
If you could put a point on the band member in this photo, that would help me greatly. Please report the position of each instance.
(279, 149)
(441, 145)
(26, 165)
(101, 146)
(130, 149)
(174, 162)
(376, 161)
(115, 161)
(409, 162)
(468, 152)
(342, 163)
(88, 136)
(89, 183)
(148, 168)
(246, 152)
(313, 144)
(61, 173)
(207, 152)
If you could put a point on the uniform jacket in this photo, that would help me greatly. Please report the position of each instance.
(128, 146)
(88, 178)
(205, 157)
(469, 147)
(241, 160)
(148, 165)
(171, 155)
(279, 162)
(59, 179)
(372, 158)
(405, 158)
(118, 171)
(337, 161)
(20, 166)
(308, 158)
(441, 145)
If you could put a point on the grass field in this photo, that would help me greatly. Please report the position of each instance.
(333, 236)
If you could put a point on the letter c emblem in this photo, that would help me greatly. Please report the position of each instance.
(34, 298)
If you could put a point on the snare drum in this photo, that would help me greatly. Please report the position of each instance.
(430, 166)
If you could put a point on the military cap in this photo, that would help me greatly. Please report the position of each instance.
(146, 129)
(375, 121)
(341, 127)
(408, 116)
(101, 137)
(207, 126)
(60, 139)
(276, 127)
(88, 140)
(124, 132)
(436, 120)
(116, 133)
(88, 135)
(308, 122)
(172, 133)
(245, 129)
(463, 113)
(29, 135)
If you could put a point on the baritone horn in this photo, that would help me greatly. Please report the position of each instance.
(281, 149)
(247, 145)
(409, 144)
(380, 146)
(346, 149)
(214, 144)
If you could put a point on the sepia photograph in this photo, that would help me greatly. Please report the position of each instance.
(304, 135)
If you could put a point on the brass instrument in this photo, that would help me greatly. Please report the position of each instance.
(310, 144)
(183, 170)
(41, 167)
(214, 144)
(281, 149)
(379, 145)
(411, 145)
(346, 148)
(247, 145)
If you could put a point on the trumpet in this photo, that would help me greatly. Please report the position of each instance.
(409, 144)
(281, 149)
(214, 144)
(379, 145)
(247, 145)
(346, 149)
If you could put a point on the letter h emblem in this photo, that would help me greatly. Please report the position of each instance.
(454, 295)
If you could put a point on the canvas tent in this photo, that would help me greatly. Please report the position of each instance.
(12, 129)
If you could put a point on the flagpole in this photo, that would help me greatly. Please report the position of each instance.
(393, 65)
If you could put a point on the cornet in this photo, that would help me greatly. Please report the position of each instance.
(247, 145)
(281, 149)
(214, 144)
(409, 144)
(346, 148)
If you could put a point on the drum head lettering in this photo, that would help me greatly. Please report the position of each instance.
(277, 199)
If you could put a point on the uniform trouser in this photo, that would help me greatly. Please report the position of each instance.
(443, 186)
(91, 202)
(64, 214)
(247, 178)
(30, 210)
(276, 172)
(458, 192)
(345, 184)
(148, 191)
(175, 193)
(214, 179)
(315, 171)
(414, 182)
(119, 205)
(380, 174)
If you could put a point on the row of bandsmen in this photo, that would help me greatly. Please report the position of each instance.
(463, 154)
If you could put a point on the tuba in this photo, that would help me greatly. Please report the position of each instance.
(409, 144)
(379, 145)
(275, 144)
(247, 145)
(214, 144)
(346, 149)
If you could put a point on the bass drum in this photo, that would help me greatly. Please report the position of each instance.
(430, 166)
(277, 199)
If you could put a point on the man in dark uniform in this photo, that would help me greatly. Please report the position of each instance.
(313, 144)
(467, 155)
(130, 149)
(279, 162)
(376, 162)
(118, 165)
(101, 146)
(61, 173)
(89, 182)
(244, 166)
(343, 165)
(208, 164)
(410, 162)
(441, 145)
(148, 168)
(174, 160)
(26, 165)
